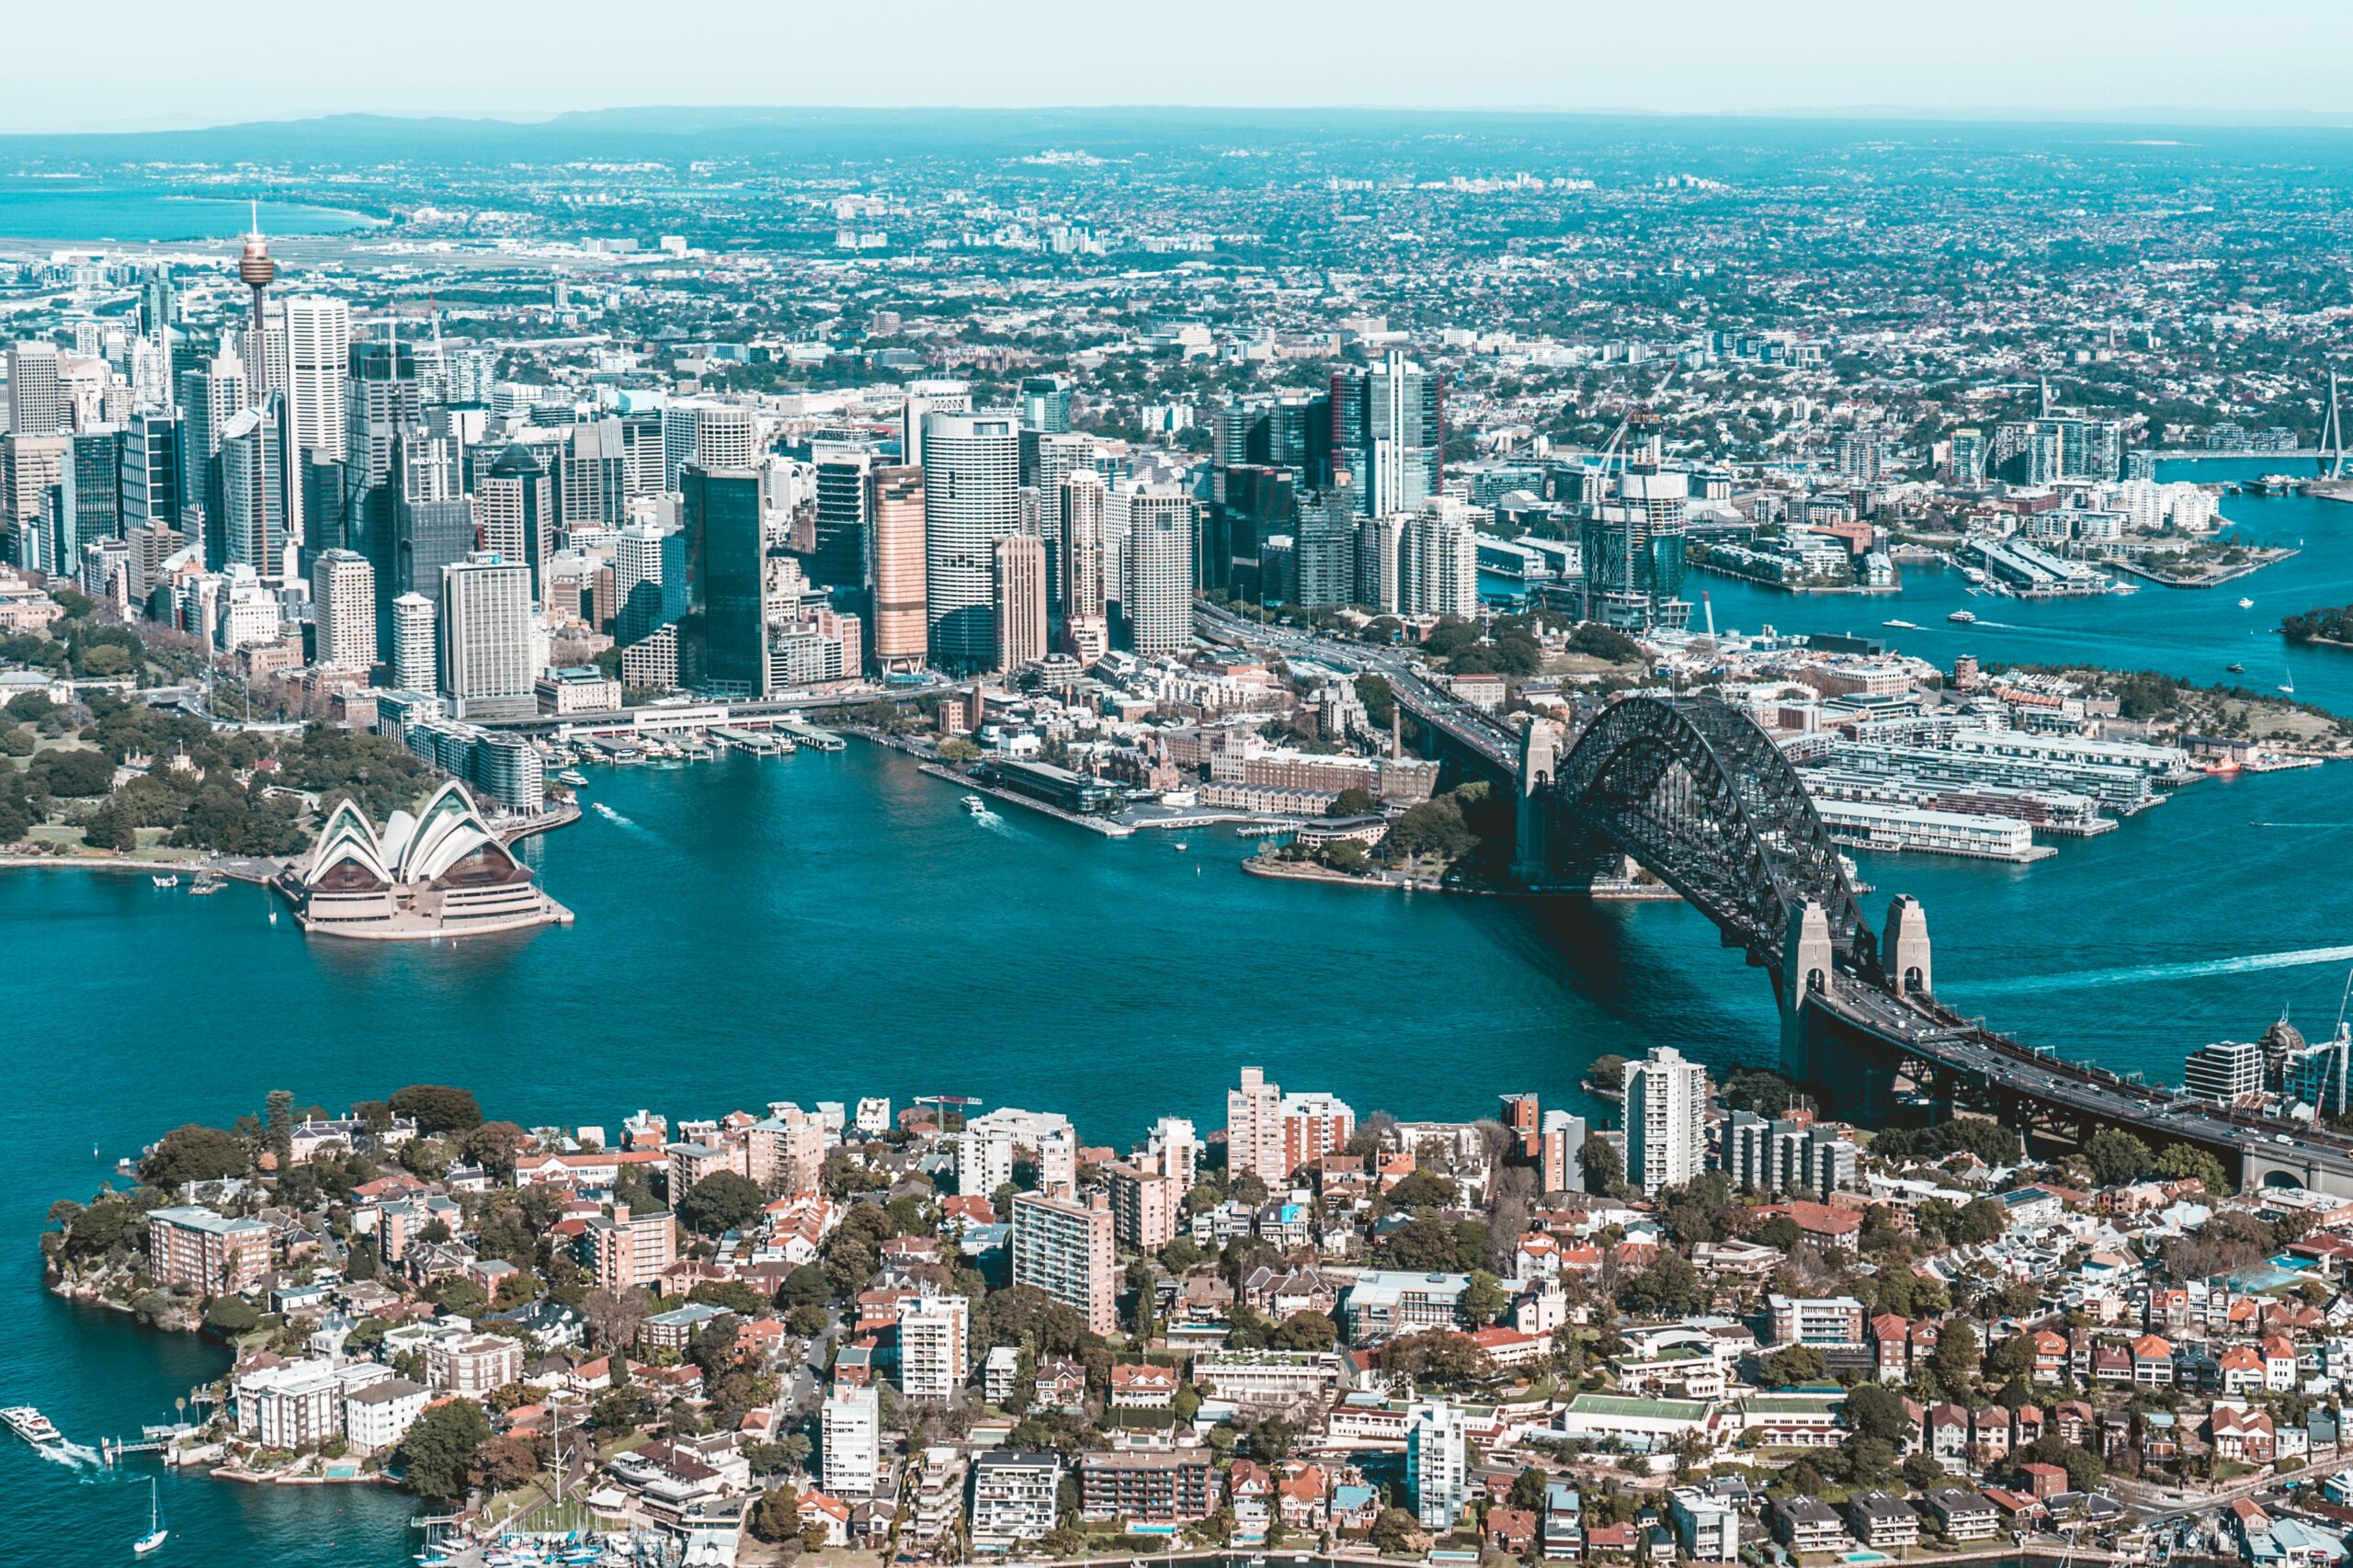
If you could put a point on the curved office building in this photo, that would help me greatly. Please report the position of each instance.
(972, 498)
(440, 873)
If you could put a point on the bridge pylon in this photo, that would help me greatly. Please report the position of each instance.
(1806, 968)
(1905, 952)
(1532, 856)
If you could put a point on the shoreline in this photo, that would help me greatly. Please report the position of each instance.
(2228, 574)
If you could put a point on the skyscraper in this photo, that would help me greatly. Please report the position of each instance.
(1633, 548)
(260, 516)
(724, 636)
(487, 667)
(843, 521)
(971, 486)
(1666, 1108)
(416, 662)
(516, 504)
(1438, 571)
(1388, 423)
(1045, 404)
(1086, 627)
(318, 361)
(151, 472)
(900, 625)
(36, 407)
(649, 580)
(1159, 523)
(1019, 601)
(210, 395)
(343, 599)
(88, 496)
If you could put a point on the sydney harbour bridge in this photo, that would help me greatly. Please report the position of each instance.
(1697, 794)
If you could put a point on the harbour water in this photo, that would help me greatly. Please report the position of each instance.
(90, 212)
(824, 925)
(820, 926)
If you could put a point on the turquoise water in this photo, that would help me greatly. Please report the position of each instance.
(823, 926)
(85, 212)
(2196, 633)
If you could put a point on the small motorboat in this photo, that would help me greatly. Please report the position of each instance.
(2246, 604)
(1962, 617)
(167, 882)
(1180, 846)
(2236, 669)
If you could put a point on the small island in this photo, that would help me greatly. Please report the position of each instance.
(2329, 627)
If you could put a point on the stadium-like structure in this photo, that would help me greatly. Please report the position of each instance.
(440, 874)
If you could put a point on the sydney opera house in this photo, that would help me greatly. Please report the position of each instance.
(440, 874)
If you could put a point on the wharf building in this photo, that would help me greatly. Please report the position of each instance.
(442, 873)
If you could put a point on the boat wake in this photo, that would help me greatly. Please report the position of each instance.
(609, 814)
(2247, 963)
(2315, 825)
(78, 1455)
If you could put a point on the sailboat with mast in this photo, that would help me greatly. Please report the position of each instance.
(155, 1530)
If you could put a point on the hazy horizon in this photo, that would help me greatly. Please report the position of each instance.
(2273, 62)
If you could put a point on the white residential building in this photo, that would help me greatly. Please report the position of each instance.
(935, 1340)
(1666, 1107)
(851, 1435)
(1438, 1468)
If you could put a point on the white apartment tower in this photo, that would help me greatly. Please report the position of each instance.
(851, 1434)
(415, 649)
(1086, 627)
(1438, 567)
(342, 593)
(934, 1346)
(1667, 1109)
(1156, 523)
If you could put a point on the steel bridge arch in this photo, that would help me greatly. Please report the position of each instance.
(1701, 797)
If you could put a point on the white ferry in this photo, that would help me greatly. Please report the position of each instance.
(31, 1425)
(975, 805)
(1962, 617)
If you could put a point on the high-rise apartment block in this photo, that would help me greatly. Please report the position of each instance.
(1066, 1249)
(343, 599)
(1666, 1108)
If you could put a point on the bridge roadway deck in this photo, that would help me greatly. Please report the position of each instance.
(1935, 1035)
(1917, 1027)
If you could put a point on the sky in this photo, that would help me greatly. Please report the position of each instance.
(135, 64)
